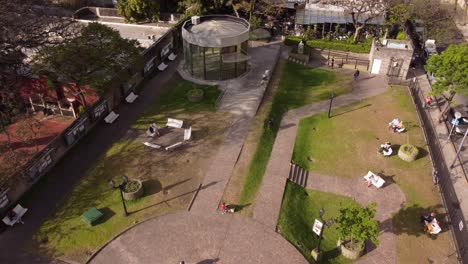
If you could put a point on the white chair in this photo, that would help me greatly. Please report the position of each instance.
(131, 98)
(111, 117)
(151, 145)
(376, 180)
(171, 122)
(162, 66)
(172, 56)
(435, 227)
(188, 134)
(387, 152)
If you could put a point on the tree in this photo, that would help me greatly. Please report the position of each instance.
(361, 12)
(27, 129)
(399, 14)
(450, 69)
(139, 10)
(92, 58)
(357, 224)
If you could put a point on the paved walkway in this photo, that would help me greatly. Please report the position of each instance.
(16, 242)
(390, 199)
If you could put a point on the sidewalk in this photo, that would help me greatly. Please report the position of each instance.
(16, 242)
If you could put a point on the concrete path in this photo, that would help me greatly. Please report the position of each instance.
(390, 199)
(199, 238)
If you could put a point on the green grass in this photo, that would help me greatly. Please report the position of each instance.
(298, 86)
(346, 146)
(65, 232)
(298, 212)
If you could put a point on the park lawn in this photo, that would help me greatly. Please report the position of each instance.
(298, 86)
(169, 178)
(346, 146)
(299, 210)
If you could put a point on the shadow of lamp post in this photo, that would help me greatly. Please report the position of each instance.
(332, 95)
(121, 187)
(318, 229)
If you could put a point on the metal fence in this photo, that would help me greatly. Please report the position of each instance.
(455, 216)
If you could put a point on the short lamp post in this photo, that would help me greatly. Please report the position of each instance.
(121, 189)
(316, 252)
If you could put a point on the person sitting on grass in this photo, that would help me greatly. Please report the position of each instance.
(225, 209)
(396, 125)
(386, 149)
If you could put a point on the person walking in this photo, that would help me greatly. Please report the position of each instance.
(356, 75)
(332, 62)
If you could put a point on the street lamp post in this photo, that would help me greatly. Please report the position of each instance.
(121, 187)
(316, 252)
(332, 95)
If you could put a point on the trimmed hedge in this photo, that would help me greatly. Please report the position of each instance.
(331, 44)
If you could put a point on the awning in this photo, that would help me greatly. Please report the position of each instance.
(234, 57)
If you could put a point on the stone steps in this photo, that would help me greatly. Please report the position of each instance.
(298, 175)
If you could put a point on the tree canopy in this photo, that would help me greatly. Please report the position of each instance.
(358, 223)
(451, 70)
(92, 58)
(139, 10)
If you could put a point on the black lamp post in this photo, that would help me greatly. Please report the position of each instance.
(332, 95)
(317, 253)
(121, 188)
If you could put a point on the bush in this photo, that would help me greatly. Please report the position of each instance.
(357, 224)
(408, 152)
(132, 186)
(401, 35)
(195, 93)
(331, 44)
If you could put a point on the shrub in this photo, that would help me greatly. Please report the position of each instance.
(401, 35)
(408, 152)
(357, 224)
(195, 93)
(132, 186)
(331, 44)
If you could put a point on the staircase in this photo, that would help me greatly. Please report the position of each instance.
(298, 175)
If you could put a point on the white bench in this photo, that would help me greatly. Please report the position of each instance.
(131, 98)
(162, 66)
(188, 134)
(172, 56)
(111, 117)
(171, 122)
(19, 212)
(178, 144)
(151, 145)
(376, 180)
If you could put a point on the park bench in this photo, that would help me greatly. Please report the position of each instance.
(111, 117)
(151, 145)
(131, 98)
(171, 122)
(162, 66)
(172, 56)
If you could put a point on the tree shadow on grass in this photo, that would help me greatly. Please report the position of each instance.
(407, 220)
(422, 153)
(151, 187)
(350, 110)
(208, 261)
